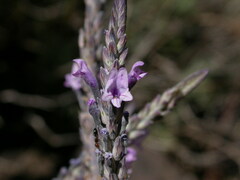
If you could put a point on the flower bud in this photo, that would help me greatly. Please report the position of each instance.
(100, 160)
(94, 111)
(123, 174)
(118, 148)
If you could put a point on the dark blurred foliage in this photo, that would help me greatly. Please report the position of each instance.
(38, 116)
(38, 40)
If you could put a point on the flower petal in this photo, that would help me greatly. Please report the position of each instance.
(122, 80)
(131, 155)
(136, 71)
(107, 96)
(80, 67)
(140, 76)
(126, 96)
(116, 102)
(111, 83)
(137, 64)
(72, 82)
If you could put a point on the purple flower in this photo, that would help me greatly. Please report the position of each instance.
(84, 72)
(91, 102)
(104, 131)
(116, 89)
(131, 155)
(108, 155)
(72, 81)
(136, 74)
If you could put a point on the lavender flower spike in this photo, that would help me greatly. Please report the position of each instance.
(116, 89)
(136, 73)
(84, 72)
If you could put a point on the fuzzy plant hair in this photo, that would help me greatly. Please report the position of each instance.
(103, 86)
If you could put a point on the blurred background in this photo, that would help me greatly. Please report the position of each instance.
(199, 140)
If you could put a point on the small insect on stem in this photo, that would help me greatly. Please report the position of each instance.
(95, 134)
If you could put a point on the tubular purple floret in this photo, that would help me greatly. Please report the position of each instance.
(84, 72)
(136, 74)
